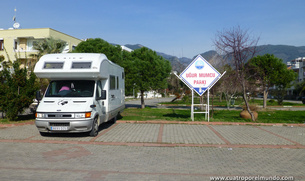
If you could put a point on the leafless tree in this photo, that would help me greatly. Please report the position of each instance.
(239, 47)
(229, 86)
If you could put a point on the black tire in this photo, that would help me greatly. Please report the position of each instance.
(95, 126)
(113, 120)
(44, 133)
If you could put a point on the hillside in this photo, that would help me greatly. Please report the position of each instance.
(134, 47)
(284, 52)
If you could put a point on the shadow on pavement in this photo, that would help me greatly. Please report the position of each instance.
(102, 127)
(138, 106)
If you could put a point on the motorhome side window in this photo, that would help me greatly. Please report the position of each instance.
(112, 82)
(117, 82)
(71, 88)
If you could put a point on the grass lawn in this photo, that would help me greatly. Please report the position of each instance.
(265, 116)
(269, 116)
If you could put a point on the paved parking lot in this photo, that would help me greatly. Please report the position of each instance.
(134, 151)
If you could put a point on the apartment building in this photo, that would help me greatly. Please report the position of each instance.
(18, 43)
(298, 66)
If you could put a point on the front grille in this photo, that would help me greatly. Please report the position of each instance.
(67, 115)
(60, 115)
(59, 124)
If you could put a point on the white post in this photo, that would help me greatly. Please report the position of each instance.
(208, 108)
(192, 108)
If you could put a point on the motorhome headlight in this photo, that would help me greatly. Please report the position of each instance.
(83, 115)
(80, 115)
(39, 115)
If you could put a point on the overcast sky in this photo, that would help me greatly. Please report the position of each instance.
(176, 27)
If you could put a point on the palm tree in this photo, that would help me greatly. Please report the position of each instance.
(49, 45)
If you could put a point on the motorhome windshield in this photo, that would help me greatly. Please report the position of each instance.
(70, 88)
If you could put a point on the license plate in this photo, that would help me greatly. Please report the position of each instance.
(59, 128)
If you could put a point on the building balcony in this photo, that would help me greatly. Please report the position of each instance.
(295, 66)
(25, 53)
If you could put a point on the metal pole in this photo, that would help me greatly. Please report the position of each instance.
(208, 105)
(192, 108)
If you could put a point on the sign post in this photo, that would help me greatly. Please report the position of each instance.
(192, 108)
(200, 76)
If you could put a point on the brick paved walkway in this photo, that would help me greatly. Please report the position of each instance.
(128, 151)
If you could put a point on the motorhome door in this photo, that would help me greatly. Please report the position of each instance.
(100, 101)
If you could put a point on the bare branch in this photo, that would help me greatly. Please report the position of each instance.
(238, 47)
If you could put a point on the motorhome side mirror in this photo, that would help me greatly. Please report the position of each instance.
(103, 96)
(38, 95)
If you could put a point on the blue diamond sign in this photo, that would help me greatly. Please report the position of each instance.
(199, 75)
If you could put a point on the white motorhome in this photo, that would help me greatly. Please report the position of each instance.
(85, 90)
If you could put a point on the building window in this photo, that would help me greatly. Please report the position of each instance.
(15, 45)
(73, 47)
(30, 44)
(1, 44)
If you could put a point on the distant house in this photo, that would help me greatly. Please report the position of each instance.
(150, 94)
(297, 65)
(126, 48)
(18, 43)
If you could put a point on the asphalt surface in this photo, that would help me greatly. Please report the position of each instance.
(154, 103)
(154, 151)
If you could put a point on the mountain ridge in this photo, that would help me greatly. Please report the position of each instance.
(284, 52)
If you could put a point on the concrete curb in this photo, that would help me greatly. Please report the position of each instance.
(210, 123)
(176, 122)
(16, 124)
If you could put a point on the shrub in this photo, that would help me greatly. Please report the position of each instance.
(17, 90)
(186, 98)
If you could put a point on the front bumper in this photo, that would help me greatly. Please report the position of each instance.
(64, 125)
